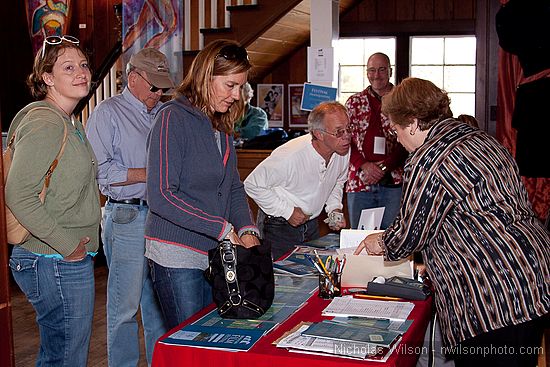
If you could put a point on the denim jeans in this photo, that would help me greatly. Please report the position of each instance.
(129, 286)
(182, 292)
(62, 295)
(282, 236)
(388, 197)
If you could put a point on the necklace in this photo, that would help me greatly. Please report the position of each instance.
(58, 106)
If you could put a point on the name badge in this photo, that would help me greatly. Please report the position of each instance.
(379, 145)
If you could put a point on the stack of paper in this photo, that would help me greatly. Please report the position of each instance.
(298, 341)
(349, 306)
(348, 333)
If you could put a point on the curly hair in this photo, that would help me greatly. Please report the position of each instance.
(219, 58)
(43, 63)
(416, 98)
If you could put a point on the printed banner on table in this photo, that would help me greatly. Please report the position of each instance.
(271, 100)
(297, 116)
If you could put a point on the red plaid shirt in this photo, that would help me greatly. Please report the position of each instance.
(364, 113)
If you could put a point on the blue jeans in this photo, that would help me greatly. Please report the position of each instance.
(129, 285)
(182, 292)
(283, 237)
(62, 295)
(389, 197)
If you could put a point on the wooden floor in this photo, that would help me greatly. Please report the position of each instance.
(25, 330)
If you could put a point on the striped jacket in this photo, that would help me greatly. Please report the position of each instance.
(464, 206)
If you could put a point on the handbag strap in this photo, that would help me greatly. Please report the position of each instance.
(53, 165)
(229, 261)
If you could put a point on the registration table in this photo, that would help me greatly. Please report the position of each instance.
(264, 353)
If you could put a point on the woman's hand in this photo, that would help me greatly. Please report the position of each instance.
(79, 252)
(249, 240)
(246, 241)
(371, 245)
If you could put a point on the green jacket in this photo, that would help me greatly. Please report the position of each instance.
(253, 122)
(72, 209)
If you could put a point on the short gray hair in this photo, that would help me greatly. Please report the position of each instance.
(316, 118)
(248, 92)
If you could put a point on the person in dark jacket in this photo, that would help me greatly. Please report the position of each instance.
(196, 197)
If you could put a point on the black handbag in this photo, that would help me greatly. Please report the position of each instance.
(242, 280)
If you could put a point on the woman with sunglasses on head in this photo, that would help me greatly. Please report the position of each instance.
(465, 208)
(54, 267)
(196, 198)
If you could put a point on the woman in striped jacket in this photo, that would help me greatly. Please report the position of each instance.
(465, 208)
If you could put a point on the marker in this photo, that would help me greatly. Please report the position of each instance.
(381, 298)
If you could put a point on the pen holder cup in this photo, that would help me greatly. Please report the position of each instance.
(330, 286)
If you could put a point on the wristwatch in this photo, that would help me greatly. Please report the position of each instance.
(382, 166)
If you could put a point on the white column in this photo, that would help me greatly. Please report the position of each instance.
(324, 25)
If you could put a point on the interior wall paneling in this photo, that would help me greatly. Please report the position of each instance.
(424, 9)
(404, 10)
(443, 9)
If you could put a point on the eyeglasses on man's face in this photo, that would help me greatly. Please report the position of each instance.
(380, 70)
(152, 88)
(56, 40)
(338, 133)
(233, 52)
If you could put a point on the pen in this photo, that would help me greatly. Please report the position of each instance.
(329, 277)
(315, 265)
(382, 298)
(327, 264)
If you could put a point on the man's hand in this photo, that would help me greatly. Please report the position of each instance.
(298, 217)
(373, 173)
(79, 252)
(336, 220)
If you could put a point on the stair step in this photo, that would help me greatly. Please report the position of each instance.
(214, 30)
(242, 7)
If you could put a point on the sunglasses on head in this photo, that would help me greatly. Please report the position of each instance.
(233, 52)
(56, 40)
(153, 88)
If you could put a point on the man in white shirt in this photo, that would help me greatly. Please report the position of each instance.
(299, 178)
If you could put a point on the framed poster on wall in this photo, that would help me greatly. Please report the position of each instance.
(271, 100)
(297, 117)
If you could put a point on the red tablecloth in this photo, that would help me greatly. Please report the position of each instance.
(264, 353)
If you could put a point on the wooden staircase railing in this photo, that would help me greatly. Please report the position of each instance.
(204, 21)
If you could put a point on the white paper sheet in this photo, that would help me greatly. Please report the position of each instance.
(371, 218)
(361, 269)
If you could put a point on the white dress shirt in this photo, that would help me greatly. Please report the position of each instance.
(295, 175)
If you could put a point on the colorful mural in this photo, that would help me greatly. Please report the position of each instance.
(157, 24)
(46, 18)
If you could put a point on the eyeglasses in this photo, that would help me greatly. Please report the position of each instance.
(392, 129)
(233, 52)
(338, 133)
(380, 70)
(152, 88)
(56, 40)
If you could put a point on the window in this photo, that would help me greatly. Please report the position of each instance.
(449, 64)
(352, 55)
(447, 61)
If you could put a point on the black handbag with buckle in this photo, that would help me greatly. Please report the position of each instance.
(242, 280)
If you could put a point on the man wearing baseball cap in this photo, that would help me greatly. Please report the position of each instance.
(117, 130)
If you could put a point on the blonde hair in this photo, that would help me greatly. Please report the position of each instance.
(219, 58)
